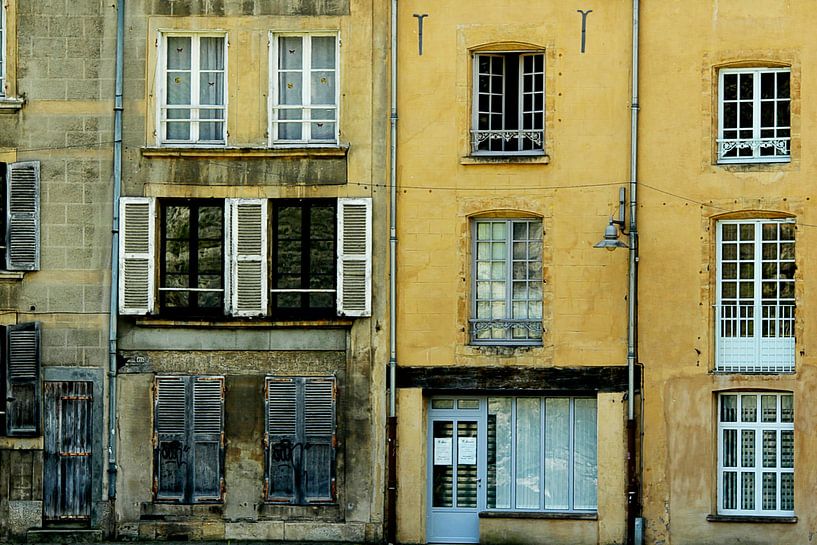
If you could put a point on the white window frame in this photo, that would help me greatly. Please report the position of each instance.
(735, 349)
(194, 106)
(505, 135)
(506, 323)
(273, 105)
(781, 145)
(741, 442)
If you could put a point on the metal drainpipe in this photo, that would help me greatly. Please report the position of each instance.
(391, 429)
(117, 182)
(633, 500)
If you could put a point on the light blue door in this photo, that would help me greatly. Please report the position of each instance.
(455, 477)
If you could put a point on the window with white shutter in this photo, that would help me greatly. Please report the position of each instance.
(354, 257)
(189, 439)
(22, 235)
(21, 359)
(136, 255)
(300, 439)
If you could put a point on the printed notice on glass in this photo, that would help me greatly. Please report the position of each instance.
(442, 451)
(467, 450)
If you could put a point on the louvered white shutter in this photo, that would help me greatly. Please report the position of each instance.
(170, 415)
(136, 255)
(354, 257)
(247, 243)
(23, 216)
(23, 397)
(281, 438)
(318, 482)
(207, 438)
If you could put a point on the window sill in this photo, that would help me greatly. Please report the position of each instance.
(244, 323)
(754, 166)
(771, 372)
(751, 519)
(244, 153)
(537, 515)
(11, 104)
(327, 512)
(540, 159)
(11, 275)
(169, 510)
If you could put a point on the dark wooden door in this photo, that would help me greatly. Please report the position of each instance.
(68, 427)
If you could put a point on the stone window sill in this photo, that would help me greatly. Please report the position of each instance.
(244, 153)
(751, 519)
(505, 159)
(228, 322)
(11, 275)
(11, 104)
(537, 515)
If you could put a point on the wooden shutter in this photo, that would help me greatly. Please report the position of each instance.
(136, 255)
(281, 438)
(247, 244)
(23, 216)
(318, 477)
(170, 416)
(23, 395)
(207, 439)
(354, 257)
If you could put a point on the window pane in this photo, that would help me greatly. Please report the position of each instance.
(528, 445)
(769, 491)
(499, 462)
(443, 473)
(747, 491)
(466, 466)
(747, 448)
(323, 52)
(787, 491)
(748, 405)
(290, 52)
(557, 453)
(730, 490)
(585, 465)
(729, 408)
(178, 52)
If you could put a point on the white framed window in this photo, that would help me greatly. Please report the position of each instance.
(508, 112)
(193, 89)
(507, 281)
(756, 454)
(304, 92)
(755, 303)
(754, 115)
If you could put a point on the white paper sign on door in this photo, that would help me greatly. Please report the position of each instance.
(442, 451)
(467, 450)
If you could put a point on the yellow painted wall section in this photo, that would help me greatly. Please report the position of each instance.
(411, 466)
(574, 189)
(683, 193)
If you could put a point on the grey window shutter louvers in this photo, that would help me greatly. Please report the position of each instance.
(136, 255)
(207, 438)
(282, 437)
(319, 440)
(23, 216)
(247, 246)
(23, 392)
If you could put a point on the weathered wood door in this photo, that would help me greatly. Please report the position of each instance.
(67, 460)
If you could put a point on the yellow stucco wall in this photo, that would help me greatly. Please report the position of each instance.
(440, 186)
(683, 192)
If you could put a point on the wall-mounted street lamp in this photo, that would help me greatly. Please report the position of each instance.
(614, 228)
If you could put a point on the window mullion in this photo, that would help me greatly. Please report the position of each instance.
(756, 111)
(758, 290)
(509, 273)
(195, 80)
(306, 75)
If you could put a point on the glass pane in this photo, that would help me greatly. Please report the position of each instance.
(499, 460)
(178, 53)
(747, 448)
(211, 52)
(290, 52)
(769, 448)
(211, 90)
(178, 88)
(468, 404)
(769, 491)
(747, 490)
(787, 448)
(442, 404)
(467, 464)
(585, 464)
(768, 408)
(787, 408)
(528, 445)
(730, 448)
(557, 453)
(730, 490)
(787, 491)
(748, 406)
(443, 472)
(323, 52)
(729, 408)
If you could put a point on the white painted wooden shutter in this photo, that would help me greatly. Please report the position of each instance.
(281, 438)
(354, 257)
(23, 396)
(136, 254)
(23, 216)
(247, 247)
(207, 439)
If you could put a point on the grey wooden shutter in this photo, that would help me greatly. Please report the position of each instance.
(281, 437)
(170, 417)
(354, 295)
(136, 255)
(248, 256)
(207, 439)
(23, 216)
(318, 478)
(23, 395)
